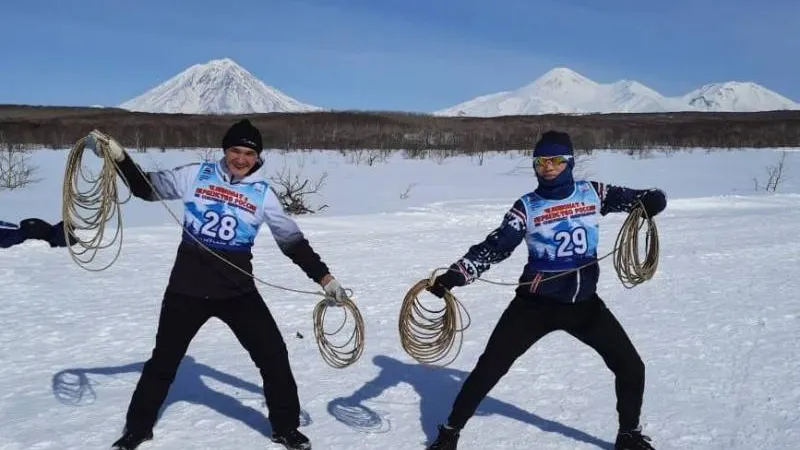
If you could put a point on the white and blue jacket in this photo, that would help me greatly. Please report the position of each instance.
(225, 215)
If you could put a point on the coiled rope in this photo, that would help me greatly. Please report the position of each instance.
(343, 354)
(91, 209)
(430, 334)
(632, 271)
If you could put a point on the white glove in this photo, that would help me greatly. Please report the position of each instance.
(96, 137)
(335, 293)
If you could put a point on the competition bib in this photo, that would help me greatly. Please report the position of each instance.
(221, 215)
(563, 234)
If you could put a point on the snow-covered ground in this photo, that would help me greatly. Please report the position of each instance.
(718, 327)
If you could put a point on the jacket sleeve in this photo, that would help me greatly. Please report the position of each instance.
(622, 199)
(169, 184)
(290, 239)
(498, 246)
(10, 235)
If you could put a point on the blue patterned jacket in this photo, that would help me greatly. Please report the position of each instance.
(500, 244)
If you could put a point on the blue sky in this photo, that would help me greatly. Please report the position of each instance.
(412, 55)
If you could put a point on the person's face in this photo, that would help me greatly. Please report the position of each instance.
(550, 167)
(240, 160)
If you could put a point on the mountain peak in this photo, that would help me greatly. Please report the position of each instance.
(219, 86)
(737, 96)
(561, 72)
(561, 77)
(731, 85)
(222, 62)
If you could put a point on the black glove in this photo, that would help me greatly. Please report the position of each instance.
(446, 281)
(654, 202)
(35, 229)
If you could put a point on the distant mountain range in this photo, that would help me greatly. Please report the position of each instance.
(222, 86)
(565, 91)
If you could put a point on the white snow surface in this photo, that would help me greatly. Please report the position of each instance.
(564, 91)
(219, 86)
(718, 327)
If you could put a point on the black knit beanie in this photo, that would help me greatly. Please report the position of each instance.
(242, 134)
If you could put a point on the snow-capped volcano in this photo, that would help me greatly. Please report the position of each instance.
(220, 86)
(565, 91)
(736, 96)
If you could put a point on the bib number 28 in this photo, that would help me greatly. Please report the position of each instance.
(571, 243)
(219, 227)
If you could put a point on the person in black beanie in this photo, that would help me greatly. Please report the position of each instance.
(34, 228)
(226, 202)
(559, 223)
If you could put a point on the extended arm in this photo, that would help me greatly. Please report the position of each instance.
(623, 199)
(498, 246)
(169, 184)
(150, 186)
(291, 240)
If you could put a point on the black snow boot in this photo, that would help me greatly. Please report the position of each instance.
(632, 440)
(447, 439)
(130, 440)
(292, 440)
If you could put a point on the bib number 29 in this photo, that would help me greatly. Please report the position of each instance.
(571, 243)
(219, 227)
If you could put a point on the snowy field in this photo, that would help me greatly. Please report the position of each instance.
(718, 326)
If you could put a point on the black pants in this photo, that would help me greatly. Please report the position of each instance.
(527, 320)
(251, 322)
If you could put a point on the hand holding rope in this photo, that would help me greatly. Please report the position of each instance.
(429, 335)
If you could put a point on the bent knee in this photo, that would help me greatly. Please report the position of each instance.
(634, 368)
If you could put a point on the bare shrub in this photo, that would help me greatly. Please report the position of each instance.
(16, 170)
(774, 175)
(293, 190)
(369, 157)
